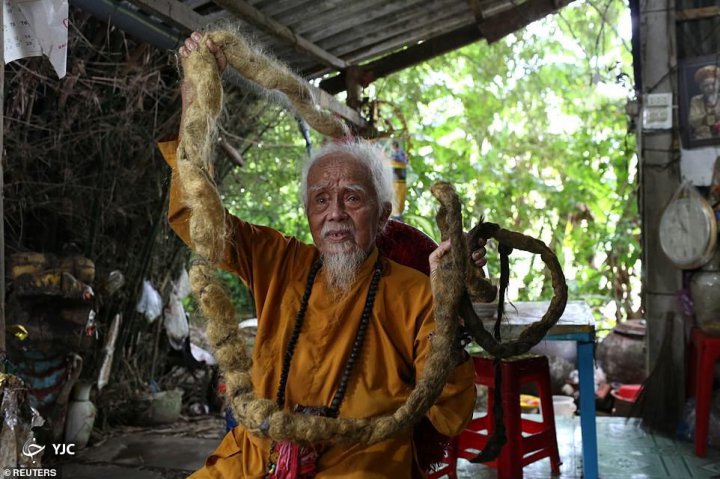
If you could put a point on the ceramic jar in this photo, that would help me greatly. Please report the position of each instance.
(80, 416)
(705, 292)
(162, 407)
(622, 353)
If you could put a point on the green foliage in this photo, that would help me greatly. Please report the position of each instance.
(532, 132)
(239, 293)
(266, 190)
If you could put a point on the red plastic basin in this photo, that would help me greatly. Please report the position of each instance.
(627, 392)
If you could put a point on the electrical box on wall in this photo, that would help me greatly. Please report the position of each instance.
(657, 111)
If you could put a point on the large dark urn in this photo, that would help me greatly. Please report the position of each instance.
(622, 353)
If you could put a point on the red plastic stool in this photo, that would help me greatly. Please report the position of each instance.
(704, 352)
(527, 440)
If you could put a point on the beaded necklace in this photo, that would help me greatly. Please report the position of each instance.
(291, 460)
(334, 408)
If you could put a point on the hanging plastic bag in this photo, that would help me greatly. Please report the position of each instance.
(202, 355)
(150, 303)
(175, 322)
(181, 288)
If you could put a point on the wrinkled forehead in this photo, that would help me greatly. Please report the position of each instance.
(340, 169)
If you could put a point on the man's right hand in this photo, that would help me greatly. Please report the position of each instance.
(193, 42)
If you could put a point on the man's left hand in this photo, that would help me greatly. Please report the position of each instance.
(477, 256)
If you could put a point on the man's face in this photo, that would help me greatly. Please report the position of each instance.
(710, 86)
(342, 205)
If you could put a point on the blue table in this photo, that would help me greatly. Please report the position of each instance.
(576, 324)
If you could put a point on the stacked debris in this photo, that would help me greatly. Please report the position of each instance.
(85, 199)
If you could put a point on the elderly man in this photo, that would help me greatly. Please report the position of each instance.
(704, 114)
(347, 191)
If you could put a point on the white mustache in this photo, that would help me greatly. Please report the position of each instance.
(328, 229)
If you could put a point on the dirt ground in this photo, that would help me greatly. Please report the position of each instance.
(168, 452)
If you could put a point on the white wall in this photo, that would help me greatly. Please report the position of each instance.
(696, 165)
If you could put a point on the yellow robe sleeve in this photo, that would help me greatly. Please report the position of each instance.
(454, 408)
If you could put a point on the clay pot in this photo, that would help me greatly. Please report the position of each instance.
(164, 408)
(705, 292)
(622, 353)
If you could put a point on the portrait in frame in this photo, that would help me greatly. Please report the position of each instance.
(699, 101)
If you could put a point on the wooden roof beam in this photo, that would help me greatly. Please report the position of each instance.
(484, 9)
(357, 51)
(196, 3)
(407, 57)
(697, 13)
(404, 29)
(255, 17)
(173, 12)
(496, 26)
(477, 10)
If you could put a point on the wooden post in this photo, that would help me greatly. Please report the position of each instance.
(3, 352)
(659, 175)
(353, 87)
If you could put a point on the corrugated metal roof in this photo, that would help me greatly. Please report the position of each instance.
(340, 40)
(316, 37)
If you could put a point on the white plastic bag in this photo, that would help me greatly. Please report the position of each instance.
(176, 324)
(181, 288)
(201, 355)
(150, 303)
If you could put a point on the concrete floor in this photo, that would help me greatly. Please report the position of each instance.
(169, 452)
(625, 450)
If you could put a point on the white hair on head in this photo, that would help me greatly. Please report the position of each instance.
(367, 153)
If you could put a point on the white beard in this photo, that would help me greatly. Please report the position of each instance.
(341, 269)
(342, 264)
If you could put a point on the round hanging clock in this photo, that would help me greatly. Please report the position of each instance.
(688, 230)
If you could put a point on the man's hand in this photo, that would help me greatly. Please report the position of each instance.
(193, 42)
(435, 256)
(477, 256)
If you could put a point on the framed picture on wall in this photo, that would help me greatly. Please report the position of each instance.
(699, 98)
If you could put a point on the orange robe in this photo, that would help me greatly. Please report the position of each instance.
(275, 268)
